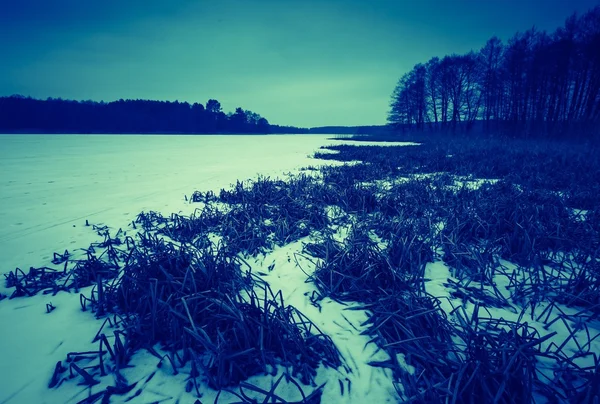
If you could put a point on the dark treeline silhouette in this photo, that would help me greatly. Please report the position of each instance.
(351, 130)
(287, 129)
(535, 84)
(21, 114)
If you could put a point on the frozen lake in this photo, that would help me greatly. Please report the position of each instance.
(50, 184)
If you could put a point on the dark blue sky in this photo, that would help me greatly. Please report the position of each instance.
(296, 62)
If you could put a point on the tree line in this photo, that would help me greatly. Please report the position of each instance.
(537, 83)
(22, 114)
(351, 130)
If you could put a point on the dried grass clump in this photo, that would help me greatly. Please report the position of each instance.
(413, 330)
(416, 198)
(76, 273)
(472, 359)
(522, 223)
(33, 282)
(199, 307)
(357, 198)
(188, 229)
(266, 212)
(391, 159)
(409, 245)
(497, 360)
(348, 175)
(476, 261)
(557, 253)
(582, 287)
(357, 268)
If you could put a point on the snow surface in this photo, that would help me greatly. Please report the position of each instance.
(51, 184)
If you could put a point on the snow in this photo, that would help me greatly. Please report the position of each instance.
(579, 214)
(33, 341)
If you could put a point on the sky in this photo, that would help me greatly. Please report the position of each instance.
(296, 62)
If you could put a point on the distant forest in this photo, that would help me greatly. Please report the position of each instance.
(536, 84)
(20, 114)
(352, 130)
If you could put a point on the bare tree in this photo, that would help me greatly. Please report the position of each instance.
(491, 78)
(538, 83)
(432, 86)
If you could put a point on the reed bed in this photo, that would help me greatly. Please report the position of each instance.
(182, 290)
(203, 311)
(571, 169)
